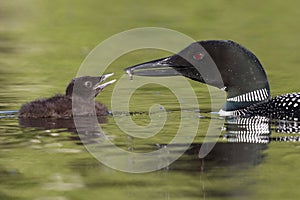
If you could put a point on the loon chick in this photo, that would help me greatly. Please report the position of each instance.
(229, 66)
(81, 90)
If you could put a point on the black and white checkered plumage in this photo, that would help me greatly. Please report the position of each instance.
(283, 107)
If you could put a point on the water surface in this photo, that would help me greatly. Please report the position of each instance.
(42, 45)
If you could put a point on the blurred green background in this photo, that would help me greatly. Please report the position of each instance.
(43, 43)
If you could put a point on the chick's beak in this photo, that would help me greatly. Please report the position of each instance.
(98, 88)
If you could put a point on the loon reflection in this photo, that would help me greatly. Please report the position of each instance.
(258, 130)
(236, 129)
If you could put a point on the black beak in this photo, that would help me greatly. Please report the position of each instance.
(185, 63)
(159, 67)
(175, 65)
(193, 62)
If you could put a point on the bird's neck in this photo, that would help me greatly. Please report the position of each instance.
(244, 100)
(243, 75)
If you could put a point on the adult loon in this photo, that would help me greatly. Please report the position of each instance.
(229, 66)
(60, 106)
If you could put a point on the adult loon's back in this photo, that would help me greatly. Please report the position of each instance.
(231, 67)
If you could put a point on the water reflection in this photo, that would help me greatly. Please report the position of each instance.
(229, 154)
(6, 46)
(241, 144)
(258, 130)
(241, 148)
(237, 130)
(52, 123)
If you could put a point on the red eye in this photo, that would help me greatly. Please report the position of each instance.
(198, 56)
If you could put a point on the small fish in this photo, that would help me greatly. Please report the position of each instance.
(130, 74)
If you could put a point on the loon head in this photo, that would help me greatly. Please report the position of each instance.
(221, 63)
(88, 87)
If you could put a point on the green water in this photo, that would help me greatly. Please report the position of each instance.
(42, 45)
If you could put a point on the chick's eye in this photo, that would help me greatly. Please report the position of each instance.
(88, 84)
